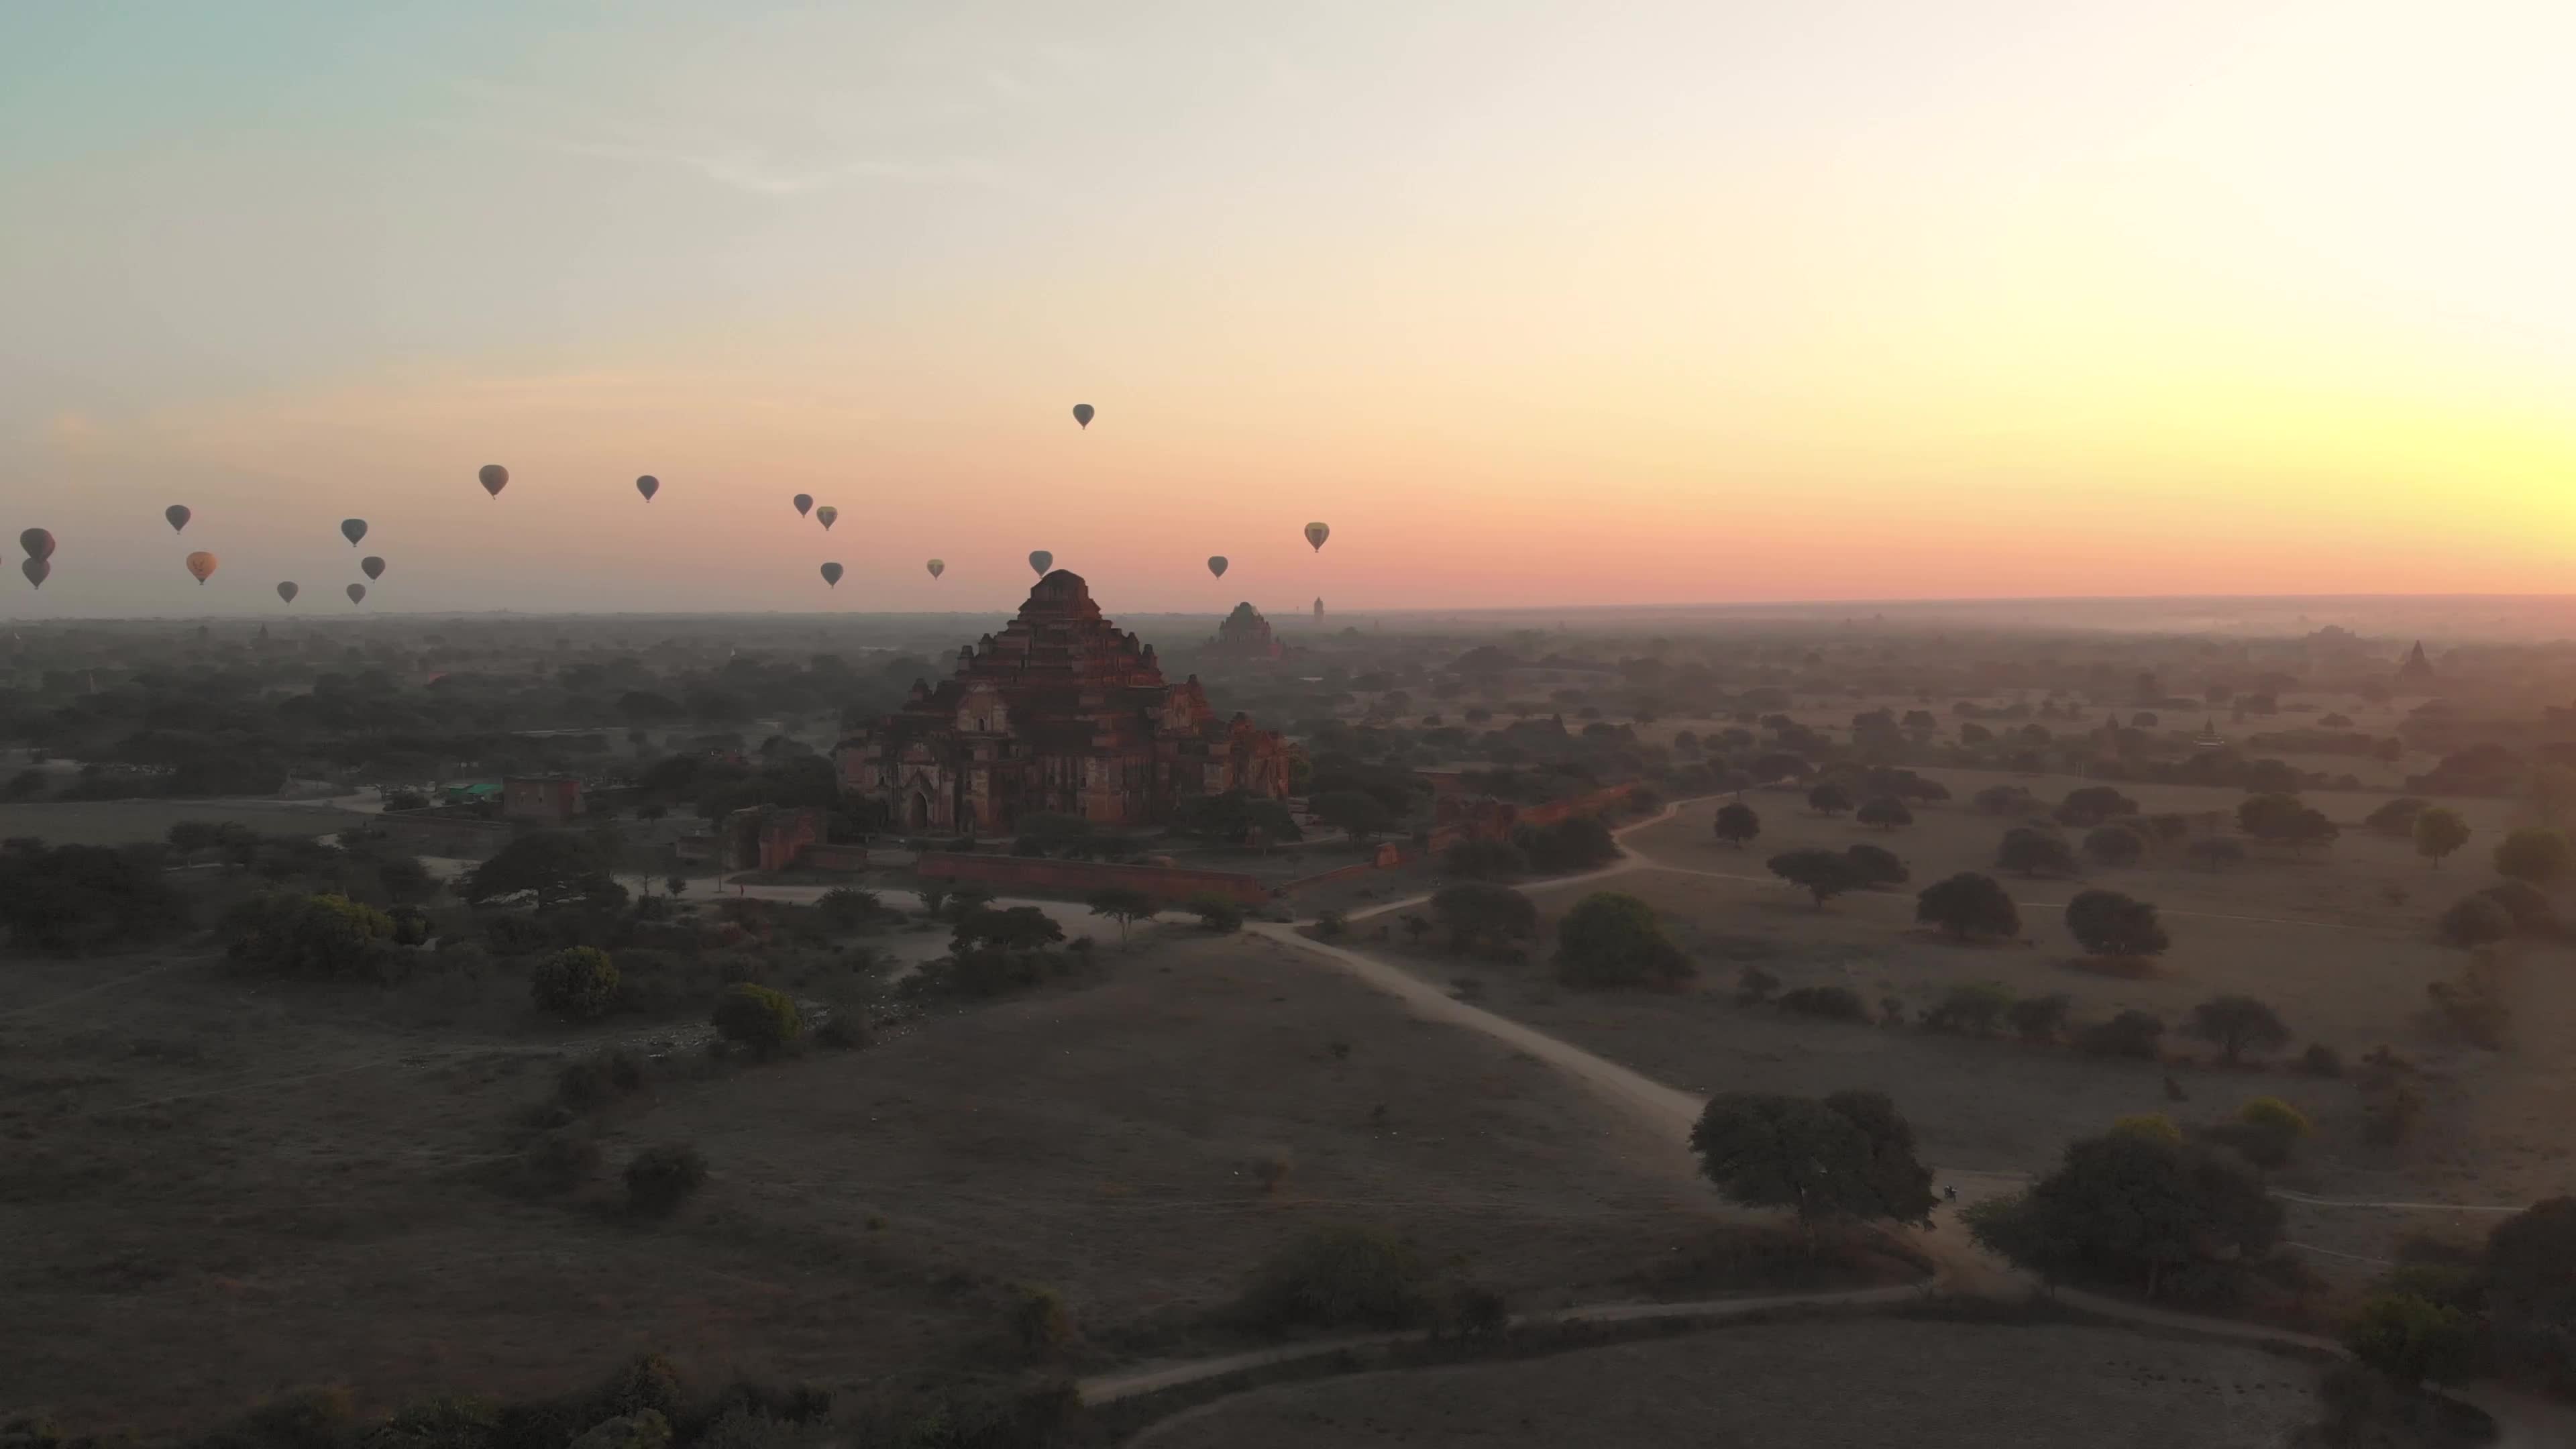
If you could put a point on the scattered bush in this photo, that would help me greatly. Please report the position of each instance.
(1822, 874)
(2536, 854)
(1971, 1009)
(1485, 860)
(2321, 1060)
(578, 983)
(2115, 845)
(1482, 914)
(2471, 921)
(2236, 1024)
(2154, 1125)
(2215, 854)
(1833, 1003)
(1737, 823)
(761, 1021)
(2032, 852)
(1614, 940)
(2107, 923)
(659, 1179)
(2410, 1341)
(848, 908)
(330, 937)
(1753, 986)
(1969, 905)
(1337, 1277)
(1886, 812)
(1332, 925)
(2092, 805)
(1873, 865)
(2132, 1033)
(594, 1081)
(1221, 914)
(2530, 907)
(2038, 1019)
(843, 1031)
(560, 1162)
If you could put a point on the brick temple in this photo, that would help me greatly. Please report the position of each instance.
(1064, 713)
(1245, 635)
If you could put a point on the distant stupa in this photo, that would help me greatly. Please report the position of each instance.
(1319, 610)
(2417, 669)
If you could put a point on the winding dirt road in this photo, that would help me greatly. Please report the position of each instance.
(2523, 1422)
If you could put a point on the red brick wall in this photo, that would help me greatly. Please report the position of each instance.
(1168, 884)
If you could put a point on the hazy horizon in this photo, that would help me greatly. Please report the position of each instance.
(1729, 303)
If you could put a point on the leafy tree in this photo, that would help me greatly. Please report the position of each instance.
(74, 898)
(2398, 816)
(848, 908)
(2131, 1207)
(1610, 939)
(1972, 1009)
(1122, 904)
(2155, 1126)
(1829, 799)
(762, 1021)
(2237, 1024)
(2532, 911)
(2271, 1114)
(1480, 913)
(2038, 1019)
(2004, 799)
(1484, 860)
(2411, 1341)
(2478, 920)
(2215, 854)
(552, 865)
(1885, 811)
(2115, 845)
(2034, 852)
(1577, 842)
(1873, 865)
(1736, 824)
(1233, 817)
(2282, 819)
(1356, 813)
(1012, 928)
(578, 983)
(2535, 854)
(2107, 923)
(677, 885)
(1219, 913)
(301, 935)
(1822, 874)
(1848, 1156)
(2092, 805)
(2132, 1033)
(1969, 905)
(1338, 1276)
(2531, 1288)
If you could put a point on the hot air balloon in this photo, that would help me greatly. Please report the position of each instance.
(938, 567)
(494, 478)
(357, 593)
(1316, 533)
(36, 569)
(353, 529)
(1041, 560)
(1082, 414)
(36, 543)
(372, 566)
(178, 515)
(286, 591)
(1216, 565)
(825, 515)
(648, 485)
(832, 574)
(804, 504)
(201, 564)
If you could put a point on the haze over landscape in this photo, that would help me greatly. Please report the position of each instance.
(1468, 723)
(1678, 303)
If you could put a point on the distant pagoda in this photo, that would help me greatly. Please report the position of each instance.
(2417, 669)
(1245, 635)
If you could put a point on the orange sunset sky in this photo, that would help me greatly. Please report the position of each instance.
(1534, 303)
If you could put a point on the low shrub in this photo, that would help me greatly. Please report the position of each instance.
(1833, 1003)
(560, 1162)
(1339, 1276)
(2132, 1033)
(659, 1179)
(761, 1021)
(594, 1081)
(578, 983)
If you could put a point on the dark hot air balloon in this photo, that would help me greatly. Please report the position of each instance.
(36, 570)
(648, 485)
(36, 543)
(938, 567)
(357, 593)
(1041, 560)
(200, 565)
(804, 504)
(825, 515)
(832, 574)
(286, 591)
(178, 515)
(1082, 414)
(1216, 565)
(1316, 533)
(372, 566)
(353, 529)
(494, 478)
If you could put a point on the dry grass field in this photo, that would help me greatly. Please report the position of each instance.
(2324, 939)
(213, 1189)
(1825, 1384)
